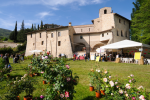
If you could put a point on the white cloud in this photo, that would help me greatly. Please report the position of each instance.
(52, 3)
(43, 14)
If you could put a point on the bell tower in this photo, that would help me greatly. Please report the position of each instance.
(105, 10)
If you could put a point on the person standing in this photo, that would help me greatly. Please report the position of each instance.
(85, 57)
(6, 59)
(74, 57)
(13, 58)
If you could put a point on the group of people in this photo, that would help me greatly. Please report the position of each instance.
(77, 57)
(17, 58)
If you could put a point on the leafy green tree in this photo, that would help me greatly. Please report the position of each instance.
(11, 36)
(140, 27)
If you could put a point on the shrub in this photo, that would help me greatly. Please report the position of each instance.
(2, 63)
(8, 50)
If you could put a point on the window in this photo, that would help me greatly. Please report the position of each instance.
(107, 33)
(117, 33)
(105, 11)
(124, 22)
(42, 43)
(59, 34)
(31, 35)
(81, 30)
(89, 29)
(102, 34)
(121, 34)
(40, 35)
(81, 37)
(33, 43)
(47, 36)
(51, 35)
(119, 20)
(126, 33)
(59, 43)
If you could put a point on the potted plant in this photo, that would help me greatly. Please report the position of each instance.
(28, 89)
(91, 76)
(98, 81)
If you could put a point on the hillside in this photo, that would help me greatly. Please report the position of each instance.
(4, 32)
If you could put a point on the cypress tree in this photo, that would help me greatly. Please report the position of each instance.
(32, 27)
(41, 24)
(38, 26)
(15, 34)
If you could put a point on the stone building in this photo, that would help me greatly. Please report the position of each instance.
(108, 28)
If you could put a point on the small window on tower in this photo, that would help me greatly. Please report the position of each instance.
(81, 30)
(31, 35)
(89, 29)
(107, 33)
(105, 11)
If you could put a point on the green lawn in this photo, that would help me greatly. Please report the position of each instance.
(117, 70)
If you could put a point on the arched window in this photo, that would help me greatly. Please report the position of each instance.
(40, 35)
(105, 11)
(121, 33)
(117, 33)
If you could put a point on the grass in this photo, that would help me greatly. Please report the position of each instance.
(81, 68)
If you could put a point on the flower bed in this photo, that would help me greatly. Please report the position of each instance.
(115, 90)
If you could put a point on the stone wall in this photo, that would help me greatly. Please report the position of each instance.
(12, 45)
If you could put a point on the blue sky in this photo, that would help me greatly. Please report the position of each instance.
(61, 12)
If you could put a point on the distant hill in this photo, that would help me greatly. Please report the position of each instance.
(4, 32)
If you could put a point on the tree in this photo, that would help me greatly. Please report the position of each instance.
(22, 26)
(38, 26)
(41, 24)
(11, 36)
(15, 34)
(32, 27)
(140, 30)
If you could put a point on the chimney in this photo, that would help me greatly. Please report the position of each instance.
(69, 23)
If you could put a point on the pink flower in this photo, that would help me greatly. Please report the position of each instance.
(129, 81)
(131, 75)
(133, 98)
(105, 79)
(46, 57)
(142, 97)
(128, 86)
(61, 95)
(42, 72)
(66, 94)
(41, 96)
(67, 66)
(68, 79)
(111, 83)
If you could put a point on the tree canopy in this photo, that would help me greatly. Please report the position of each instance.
(140, 23)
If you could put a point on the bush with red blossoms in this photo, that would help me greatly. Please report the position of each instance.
(61, 81)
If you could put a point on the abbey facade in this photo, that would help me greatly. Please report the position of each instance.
(108, 28)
